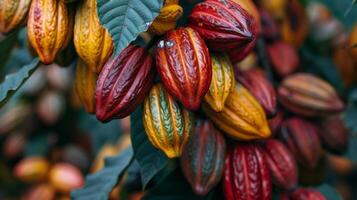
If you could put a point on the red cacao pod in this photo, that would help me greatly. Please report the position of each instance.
(334, 134)
(306, 194)
(260, 87)
(225, 25)
(275, 122)
(301, 137)
(246, 174)
(202, 159)
(123, 83)
(270, 28)
(283, 57)
(282, 165)
(184, 65)
(308, 95)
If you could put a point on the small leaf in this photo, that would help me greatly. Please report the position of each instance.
(99, 185)
(329, 192)
(151, 160)
(14, 81)
(126, 19)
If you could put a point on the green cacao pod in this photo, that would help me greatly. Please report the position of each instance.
(12, 13)
(167, 124)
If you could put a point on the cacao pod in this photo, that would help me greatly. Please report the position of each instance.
(65, 177)
(346, 65)
(222, 82)
(47, 28)
(32, 169)
(167, 18)
(202, 159)
(353, 42)
(306, 194)
(277, 8)
(242, 117)
(225, 25)
(282, 165)
(184, 65)
(93, 42)
(269, 26)
(275, 122)
(334, 134)
(283, 57)
(12, 14)
(260, 87)
(42, 191)
(167, 125)
(301, 138)
(85, 83)
(246, 174)
(308, 95)
(123, 83)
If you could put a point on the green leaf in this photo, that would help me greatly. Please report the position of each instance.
(99, 185)
(14, 81)
(6, 46)
(350, 114)
(126, 19)
(329, 192)
(151, 160)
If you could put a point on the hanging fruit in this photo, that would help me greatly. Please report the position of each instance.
(12, 14)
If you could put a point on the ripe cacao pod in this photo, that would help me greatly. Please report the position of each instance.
(246, 174)
(225, 25)
(275, 122)
(184, 65)
(202, 159)
(301, 138)
(47, 28)
(85, 83)
(65, 177)
(123, 83)
(12, 14)
(334, 134)
(277, 8)
(353, 42)
(308, 95)
(93, 42)
(260, 87)
(166, 21)
(283, 57)
(222, 82)
(346, 65)
(242, 117)
(281, 163)
(269, 26)
(306, 194)
(167, 125)
(32, 169)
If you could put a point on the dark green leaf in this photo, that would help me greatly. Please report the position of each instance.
(126, 19)
(99, 185)
(6, 46)
(329, 192)
(14, 81)
(151, 160)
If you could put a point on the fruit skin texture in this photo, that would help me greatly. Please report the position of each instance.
(246, 174)
(334, 134)
(301, 138)
(12, 14)
(309, 96)
(93, 42)
(184, 65)
(260, 87)
(123, 83)
(85, 83)
(283, 57)
(32, 169)
(222, 83)
(281, 163)
(202, 159)
(47, 28)
(242, 117)
(306, 194)
(167, 124)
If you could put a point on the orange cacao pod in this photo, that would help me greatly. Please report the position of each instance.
(85, 83)
(283, 57)
(346, 65)
(281, 163)
(334, 134)
(167, 125)
(353, 42)
(202, 159)
(32, 169)
(93, 42)
(246, 174)
(47, 28)
(184, 65)
(242, 117)
(65, 177)
(222, 82)
(306, 194)
(12, 14)
(276, 8)
(308, 95)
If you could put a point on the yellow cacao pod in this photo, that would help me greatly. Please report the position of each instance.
(92, 41)
(242, 118)
(32, 169)
(222, 83)
(167, 18)
(85, 84)
(12, 14)
(47, 28)
(167, 124)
